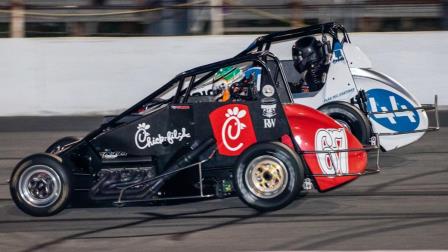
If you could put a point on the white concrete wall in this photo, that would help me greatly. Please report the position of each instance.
(101, 75)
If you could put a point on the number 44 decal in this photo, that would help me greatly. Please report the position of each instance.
(392, 113)
(386, 106)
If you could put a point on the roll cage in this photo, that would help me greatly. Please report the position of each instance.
(258, 51)
(181, 95)
(263, 43)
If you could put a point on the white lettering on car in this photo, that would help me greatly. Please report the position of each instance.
(143, 138)
(232, 127)
(269, 123)
(394, 113)
(327, 143)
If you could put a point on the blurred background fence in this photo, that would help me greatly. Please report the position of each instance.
(50, 18)
(57, 76)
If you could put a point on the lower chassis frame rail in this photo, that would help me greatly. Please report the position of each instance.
(120, 200)
(366, 172)
(124, 202)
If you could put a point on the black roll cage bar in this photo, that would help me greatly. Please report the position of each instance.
(263, 43)
(180, 78)
(257, 50)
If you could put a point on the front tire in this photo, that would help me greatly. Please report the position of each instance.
(268, 176)
(351, 118)
(40, 185)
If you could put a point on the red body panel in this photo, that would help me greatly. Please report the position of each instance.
(314, 131)
(233, 129)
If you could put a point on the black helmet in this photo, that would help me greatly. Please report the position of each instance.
(305, 52)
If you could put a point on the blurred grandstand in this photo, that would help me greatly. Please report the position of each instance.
(42, 18)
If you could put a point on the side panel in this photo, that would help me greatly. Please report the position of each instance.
(386, 95)
(339, 85)
(356, 57)
(315, 131)
(161, 135)
(237, 126)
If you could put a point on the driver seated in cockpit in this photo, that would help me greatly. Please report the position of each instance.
(231, 83)
(309, 56)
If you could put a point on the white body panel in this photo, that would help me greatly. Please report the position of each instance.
(355, 57)
(339, 86)
(383, 93)
(370, 81)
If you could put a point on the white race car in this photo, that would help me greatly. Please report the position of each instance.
(329, 73)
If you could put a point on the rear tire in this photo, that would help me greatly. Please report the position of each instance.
(351, 118)
(268, 176)
(40, 185)
(59, 144)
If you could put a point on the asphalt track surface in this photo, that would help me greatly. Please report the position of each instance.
(403, 208)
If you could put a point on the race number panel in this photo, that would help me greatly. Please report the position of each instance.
(381, 100)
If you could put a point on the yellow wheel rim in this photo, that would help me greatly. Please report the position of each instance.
(266, 177)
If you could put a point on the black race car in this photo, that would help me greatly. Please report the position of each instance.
(219, 129)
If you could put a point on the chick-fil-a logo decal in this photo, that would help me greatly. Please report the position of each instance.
(232, 128)
(143, 138)
(327, 143)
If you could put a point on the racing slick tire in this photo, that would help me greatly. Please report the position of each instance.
(268, 176)
(351, 118)
(56, 146)
(40, 185)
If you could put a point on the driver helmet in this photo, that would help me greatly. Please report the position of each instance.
(224, 78)
(305, 52)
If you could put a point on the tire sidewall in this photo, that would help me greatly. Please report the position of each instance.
(293, 168)
(54, 164)
(357, 121)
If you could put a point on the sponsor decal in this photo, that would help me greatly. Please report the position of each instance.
(338, 54)
(112, 154)
(381, 100)
(269, 110)
(232, 128)
(268, 90)
(331, 140)
(269, 123)
(181, 107)
(143, 138)
(343, 93)
(207, 91)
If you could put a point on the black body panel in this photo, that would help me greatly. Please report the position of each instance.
(143, 143)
